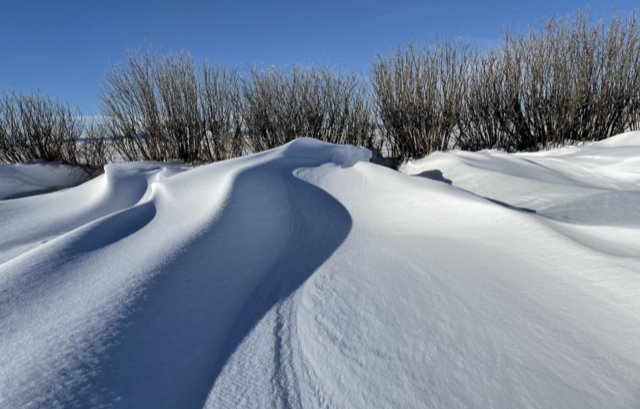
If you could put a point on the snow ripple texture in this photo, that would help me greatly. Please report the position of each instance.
(308, 277)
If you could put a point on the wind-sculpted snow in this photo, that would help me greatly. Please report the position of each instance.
(307, 277)
(20, 180)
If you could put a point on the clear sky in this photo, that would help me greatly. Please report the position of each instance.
(64, 47)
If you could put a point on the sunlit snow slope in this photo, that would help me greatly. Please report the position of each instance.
(307, 277)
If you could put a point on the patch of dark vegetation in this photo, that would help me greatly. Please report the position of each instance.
(568, 80)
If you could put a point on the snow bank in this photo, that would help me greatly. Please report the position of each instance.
(307, 277)
(21, 180)
(598, 184)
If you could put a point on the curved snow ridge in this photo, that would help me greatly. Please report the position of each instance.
(35, 220)
(173, 262)
(439, 298)
(312, 149)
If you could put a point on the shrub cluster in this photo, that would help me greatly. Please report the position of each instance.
(168, 108)
(418, 94)
(281, 104)
(569, 80)
(164, 107)
(36, 127)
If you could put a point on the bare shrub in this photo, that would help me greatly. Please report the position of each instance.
(145, 114)
(568, 81)
(490, 94)
(326, 103)
(419, 93)
(221, 108)
(36, 127)
(162, 108)
(95, 151)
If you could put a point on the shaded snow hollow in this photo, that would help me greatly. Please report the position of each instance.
(307, 277)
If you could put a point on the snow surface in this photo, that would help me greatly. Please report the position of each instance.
(307, 277)
(20, 180)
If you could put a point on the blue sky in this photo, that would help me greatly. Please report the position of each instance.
(64, 47)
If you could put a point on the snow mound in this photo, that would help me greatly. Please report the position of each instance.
(625, 139)
(307, 277)
(22, 180)
(598, 184)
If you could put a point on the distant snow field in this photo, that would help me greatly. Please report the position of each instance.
(308, 277)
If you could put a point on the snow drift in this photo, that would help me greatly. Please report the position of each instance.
(20, 180)
(307, 277)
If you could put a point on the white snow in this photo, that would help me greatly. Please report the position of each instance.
(308, 277)
(19, 180)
